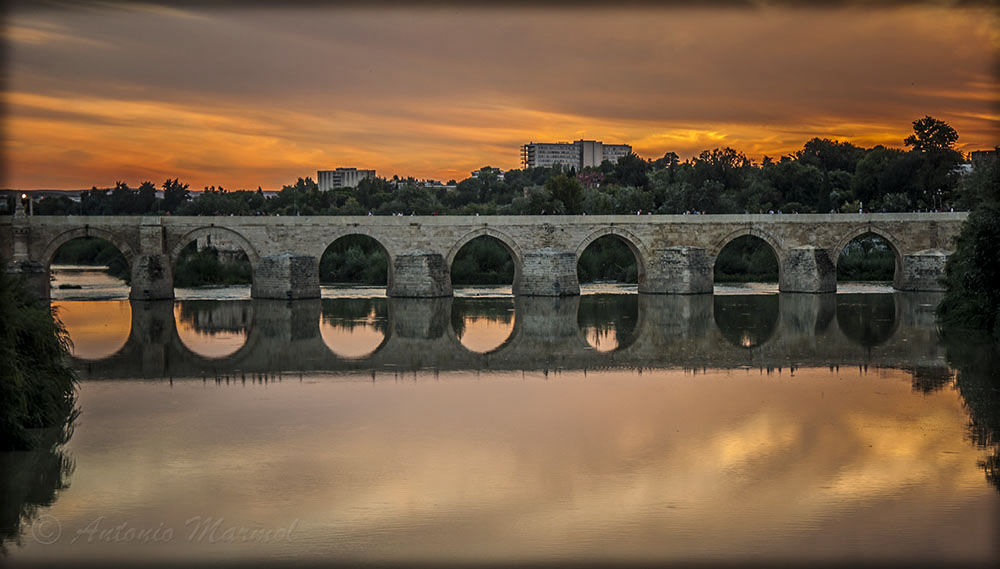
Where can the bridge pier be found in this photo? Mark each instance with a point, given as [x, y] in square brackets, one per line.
[419, 274]
[678, 270]
[807, 269]
[152, 278]
[548, 272]
[152, 274]
[286, 276]
[921, 271]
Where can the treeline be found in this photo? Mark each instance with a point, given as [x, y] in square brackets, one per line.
[824, 176]
[972, 275]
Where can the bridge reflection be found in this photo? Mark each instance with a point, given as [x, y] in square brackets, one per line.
[532, 333]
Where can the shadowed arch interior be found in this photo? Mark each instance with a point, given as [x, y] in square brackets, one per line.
[355, 259]
[610, 258]
[747, 258]
[484, 260]
[213, 256]
[93, 251]
[868, 257]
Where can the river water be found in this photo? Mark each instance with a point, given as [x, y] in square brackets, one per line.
[745, 426]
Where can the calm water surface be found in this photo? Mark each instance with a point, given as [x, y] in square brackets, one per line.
[611, 427]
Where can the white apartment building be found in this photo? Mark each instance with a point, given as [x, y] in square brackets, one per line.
[579, 154]
[341, 178]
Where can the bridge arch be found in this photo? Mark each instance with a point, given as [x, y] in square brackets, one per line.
[362, 232]
[58, 241]
[768, 238]
[231, 234]
[865, 229]
[636, 245]
[512, 247]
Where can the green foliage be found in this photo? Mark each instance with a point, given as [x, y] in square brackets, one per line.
[567, 191]
[972, 274]
[867, 258]
[356, 259]
[746, 259]
[931, 134]
[607, 259]
[207, 267]
[174, 194]
[37, 383]
[483, 260]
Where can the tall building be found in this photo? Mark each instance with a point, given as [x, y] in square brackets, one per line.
[341, 178]
[579, 154]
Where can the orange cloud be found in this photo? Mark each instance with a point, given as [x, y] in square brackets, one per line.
[248, 97]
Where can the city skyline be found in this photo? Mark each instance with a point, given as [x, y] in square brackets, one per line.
[248, 97]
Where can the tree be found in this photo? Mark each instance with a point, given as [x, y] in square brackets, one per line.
[174, 194]
[972, 274]
[631, 171]
[830, 155]
[931, 134]
[567, 190]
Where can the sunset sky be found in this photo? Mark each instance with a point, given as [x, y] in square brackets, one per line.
[253, 96]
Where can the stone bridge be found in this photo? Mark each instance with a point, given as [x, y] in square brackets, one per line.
[674, 253]
[671, 331]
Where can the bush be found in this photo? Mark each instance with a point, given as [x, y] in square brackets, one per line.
[37, 384]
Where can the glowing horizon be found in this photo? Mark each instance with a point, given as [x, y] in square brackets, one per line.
[248, 97]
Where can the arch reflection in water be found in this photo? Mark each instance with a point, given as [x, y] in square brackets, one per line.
[746, 321]
[97, 328]
[483, 324]
[354, 327]
[867, 319]
[608, 321]
[213, 328]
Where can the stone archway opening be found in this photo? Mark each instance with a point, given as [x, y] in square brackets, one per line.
[746, 259]
[483, 325]
[869, 257]
[483, 261]
[213, 259]
[354, 260]
[609, 259]
[89, 267]
[89, 278]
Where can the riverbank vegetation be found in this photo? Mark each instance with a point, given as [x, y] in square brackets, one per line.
[37, 383]
[207, 267]
[972, 275]
[354, 259]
